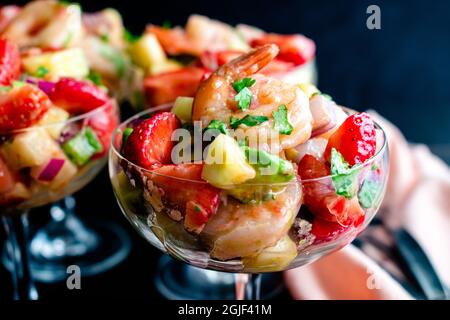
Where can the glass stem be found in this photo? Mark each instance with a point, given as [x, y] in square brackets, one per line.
[17, 229]
[248, 286]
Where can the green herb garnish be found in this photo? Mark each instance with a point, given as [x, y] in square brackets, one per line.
[129, 37]
[18, 84]
[244, 95]
[166, 24]
[345, 179]
[368, 193]
[248, 120]
[41, 72]
[95, 77]
[218, 125]
[281, 122]
[105, 38]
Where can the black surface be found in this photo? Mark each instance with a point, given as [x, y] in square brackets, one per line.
[402, 71]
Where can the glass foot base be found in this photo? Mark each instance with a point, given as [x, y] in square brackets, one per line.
[179, 281]
[103, 246]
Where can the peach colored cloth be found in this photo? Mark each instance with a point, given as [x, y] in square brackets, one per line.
[417, 199]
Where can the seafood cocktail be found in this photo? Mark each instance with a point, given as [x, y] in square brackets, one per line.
[252, 174]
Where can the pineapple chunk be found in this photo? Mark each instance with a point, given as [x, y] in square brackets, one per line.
[225, 164]
[182, 108]
[147, 52]
[308, 89]
[54, 121]
[166, 66]
[274, 258]
[62, 178]
[64, 63]
[29, 149]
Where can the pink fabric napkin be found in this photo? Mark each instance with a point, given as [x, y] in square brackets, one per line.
[417, 199]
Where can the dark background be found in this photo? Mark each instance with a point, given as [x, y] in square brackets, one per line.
[402, 71]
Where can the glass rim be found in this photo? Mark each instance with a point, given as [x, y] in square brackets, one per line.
[79, 117]
[163, 107]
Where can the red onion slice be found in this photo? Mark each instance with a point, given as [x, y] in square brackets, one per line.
[46, 86]
[52, 168]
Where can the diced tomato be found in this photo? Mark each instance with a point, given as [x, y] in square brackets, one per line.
[166, 87]
[10, 62]
[296, 48]
[277, 66]
[320, 197]
[212, 60]
[174, 41]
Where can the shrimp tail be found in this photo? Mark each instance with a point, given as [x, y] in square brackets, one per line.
[250, 63]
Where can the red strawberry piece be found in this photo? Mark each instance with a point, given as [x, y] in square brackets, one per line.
[355, 139]
[150, 142]
[320, 197]
[297, 48]
[103, 122]
[77, 96]
[326, 231]
[10, 63]
[166, 87]
[22, 107]
[184, 188]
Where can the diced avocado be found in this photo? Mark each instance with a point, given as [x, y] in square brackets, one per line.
[271, 174]
[64, 63]
[269, 168]
[147, 52]
[82, 146]
[225, 164]
[182, 108]
[274, 258]
[309, 89]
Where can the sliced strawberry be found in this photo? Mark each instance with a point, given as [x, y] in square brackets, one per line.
[150, 142]
[355, 139]
[6, 178]
[166, 87]
[297, 48]
[103, 122]
[10, 63]
[320, 197]
[22, 107]
[184, 188]
[326, 231]
[77, 96]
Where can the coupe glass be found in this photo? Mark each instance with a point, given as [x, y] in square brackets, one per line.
[149, 216]
[66, 241]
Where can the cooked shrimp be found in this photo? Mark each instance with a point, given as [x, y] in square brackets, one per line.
[215, 100]
[47, 24]
[242, 230]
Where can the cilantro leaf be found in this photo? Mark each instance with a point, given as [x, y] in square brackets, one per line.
[18, 84]
[281, 122]
[218, 125]
[368, 193]
[95, 77]
[129, 37]
[243, 83]
[41, 72]
[244, 96]
[345, 179]
[104, 37]
[248, 120]
[166, 24]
